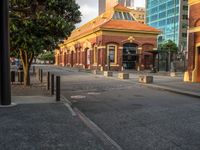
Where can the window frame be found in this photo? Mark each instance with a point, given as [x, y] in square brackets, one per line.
[115, 53]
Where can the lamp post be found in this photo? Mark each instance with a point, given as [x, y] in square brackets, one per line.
[5, 89]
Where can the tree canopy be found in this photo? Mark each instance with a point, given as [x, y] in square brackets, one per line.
[36, 25]
[46, 56]
[168, 46]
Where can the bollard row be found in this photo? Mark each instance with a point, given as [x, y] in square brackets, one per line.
[20, 75]
[51, 86]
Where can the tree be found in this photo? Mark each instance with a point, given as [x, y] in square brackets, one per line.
[36, 25]
[171, 48]
[168, 46]
[46, 56]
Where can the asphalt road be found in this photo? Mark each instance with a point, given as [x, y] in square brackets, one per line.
[136, 117]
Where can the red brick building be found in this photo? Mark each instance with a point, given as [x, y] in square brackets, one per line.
[193, 73]
[114, 36]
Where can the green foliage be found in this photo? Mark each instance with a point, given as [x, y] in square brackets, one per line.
[168, 46]
[47, 56]
[38, 25]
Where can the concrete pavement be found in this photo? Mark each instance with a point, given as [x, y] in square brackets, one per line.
[134, 116]
[38, 122]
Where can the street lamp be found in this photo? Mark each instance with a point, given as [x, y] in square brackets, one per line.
[5, 89]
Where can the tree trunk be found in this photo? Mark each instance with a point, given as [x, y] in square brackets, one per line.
[26, 75]
[26, 67]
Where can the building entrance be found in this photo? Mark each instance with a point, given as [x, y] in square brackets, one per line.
[130, 57]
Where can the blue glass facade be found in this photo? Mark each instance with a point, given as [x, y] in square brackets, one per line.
[169, 16]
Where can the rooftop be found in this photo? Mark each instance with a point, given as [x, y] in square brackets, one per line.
[118, 17]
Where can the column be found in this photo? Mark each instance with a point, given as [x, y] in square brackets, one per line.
[5, 89]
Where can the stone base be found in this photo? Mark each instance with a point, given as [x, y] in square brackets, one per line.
[186, 77]
[146, 79]
[172, 74]
[123, 76]
[108, 73]
[94, 72]
[8, 106]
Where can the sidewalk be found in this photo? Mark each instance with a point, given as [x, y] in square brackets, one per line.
[165, 82]
[39, 122]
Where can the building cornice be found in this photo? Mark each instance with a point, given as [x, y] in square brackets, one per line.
[193, 2]
[194, 29]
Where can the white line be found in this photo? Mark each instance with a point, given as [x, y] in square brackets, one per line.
[68, 104]
[97, 130]
[70, 109]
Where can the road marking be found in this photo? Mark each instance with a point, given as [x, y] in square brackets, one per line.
[70, 109]
[93, 93]
[68, 104]
[97, 130]
[78, 97]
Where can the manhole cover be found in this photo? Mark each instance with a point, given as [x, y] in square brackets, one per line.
[93, 93]
[78, 97]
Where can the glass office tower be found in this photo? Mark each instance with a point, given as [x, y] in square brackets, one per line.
[171, 17]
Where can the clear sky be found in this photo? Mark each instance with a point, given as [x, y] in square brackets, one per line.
[89, 9]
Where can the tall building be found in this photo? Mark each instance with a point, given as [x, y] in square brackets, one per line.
[139, 13]
[193, 73]
[107, 4]
[171, 17]
[102, 6]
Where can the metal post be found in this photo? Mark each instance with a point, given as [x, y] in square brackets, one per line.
[33, 70]
[52, 84]
[5, 88]
[41, 75]
[158, 61]
[57, 88]
[109, 63]
[169, 62]
[12, 73]
[167, 56]
[48, 81]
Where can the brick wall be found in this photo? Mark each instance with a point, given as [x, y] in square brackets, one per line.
[194, 21]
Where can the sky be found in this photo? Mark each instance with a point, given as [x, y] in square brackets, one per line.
[89, 9]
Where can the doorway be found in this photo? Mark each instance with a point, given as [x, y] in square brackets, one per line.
[72, 59]
[87, 58]
[130, 57]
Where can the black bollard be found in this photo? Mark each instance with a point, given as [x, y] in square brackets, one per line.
[33, 70]
[48, 81]
[52, 84]
[12, 73]
[41, 75]
[20, 76]
[57, 88]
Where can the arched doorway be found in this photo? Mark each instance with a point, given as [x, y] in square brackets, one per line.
[72, 58]
[87, 57]
[130, 57]
[65, 61]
